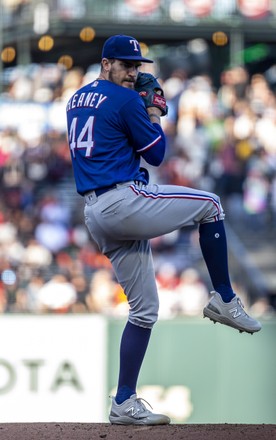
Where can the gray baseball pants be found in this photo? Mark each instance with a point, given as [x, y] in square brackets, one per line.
[121, 222]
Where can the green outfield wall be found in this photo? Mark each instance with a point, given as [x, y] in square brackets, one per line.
[199, 372]
[63, 368]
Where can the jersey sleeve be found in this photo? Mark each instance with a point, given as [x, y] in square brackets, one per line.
[147, 139]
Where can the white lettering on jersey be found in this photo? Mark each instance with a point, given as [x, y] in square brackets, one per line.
[85, 138]
[74, 99]
[80, 100]
[86, 100]
[102, 98]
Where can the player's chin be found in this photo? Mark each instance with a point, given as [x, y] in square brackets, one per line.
[128, 84]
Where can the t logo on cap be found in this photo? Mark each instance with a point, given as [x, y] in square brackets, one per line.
[123, 47]
[136, 45]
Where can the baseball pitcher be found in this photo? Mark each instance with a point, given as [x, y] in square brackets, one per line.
[113, 122]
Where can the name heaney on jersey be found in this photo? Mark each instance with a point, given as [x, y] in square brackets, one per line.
[89, 99]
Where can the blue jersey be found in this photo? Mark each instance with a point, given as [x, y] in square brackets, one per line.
[108, 132]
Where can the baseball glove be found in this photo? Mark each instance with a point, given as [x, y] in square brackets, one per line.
[151, 92]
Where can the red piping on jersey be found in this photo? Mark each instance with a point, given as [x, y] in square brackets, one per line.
[150, 145]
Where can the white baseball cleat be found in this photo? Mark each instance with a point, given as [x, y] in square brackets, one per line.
[231, 314]
[133, 412]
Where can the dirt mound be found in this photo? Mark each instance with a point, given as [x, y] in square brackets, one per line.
[94, 431]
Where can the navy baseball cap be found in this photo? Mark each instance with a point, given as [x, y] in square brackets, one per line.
[123, 47]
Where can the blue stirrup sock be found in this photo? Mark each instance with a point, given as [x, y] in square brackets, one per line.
[213, 243]
[133, 347]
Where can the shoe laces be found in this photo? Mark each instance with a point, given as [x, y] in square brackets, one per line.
[139, 404]
[240, 303]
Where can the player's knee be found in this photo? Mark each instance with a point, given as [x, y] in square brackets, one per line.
[214, 209]
[145, 318]
[143, 322]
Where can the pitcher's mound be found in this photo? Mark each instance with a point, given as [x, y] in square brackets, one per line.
[91, 431]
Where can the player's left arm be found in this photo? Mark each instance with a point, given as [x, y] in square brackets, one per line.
[155, 154]
[147, 138]
[155, 103]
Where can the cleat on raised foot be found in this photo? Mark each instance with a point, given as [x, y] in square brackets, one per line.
[231, 314]
[134, 412]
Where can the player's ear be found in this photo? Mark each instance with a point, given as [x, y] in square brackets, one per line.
[106, 64]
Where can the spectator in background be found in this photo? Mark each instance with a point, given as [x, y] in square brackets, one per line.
[192, 293]
[80, 284]
[52, 231]
[37, 255]
[105, 295]
[57, 295]
[33, 288]
[3, 299]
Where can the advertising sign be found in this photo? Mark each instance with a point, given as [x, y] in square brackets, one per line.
[52, 368]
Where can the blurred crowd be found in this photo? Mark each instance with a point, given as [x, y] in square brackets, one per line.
[219, 139]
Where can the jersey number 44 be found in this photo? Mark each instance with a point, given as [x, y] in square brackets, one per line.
[85, 138]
